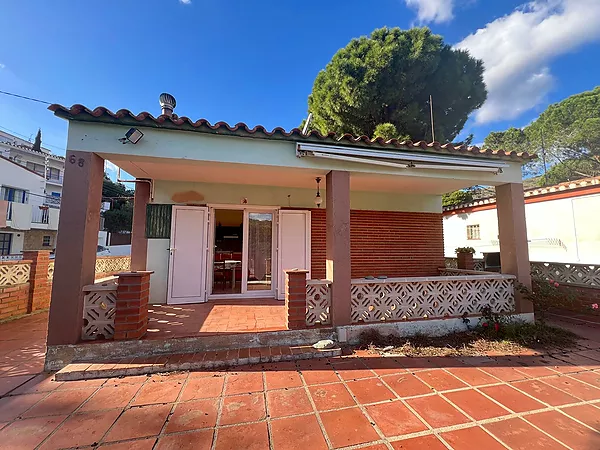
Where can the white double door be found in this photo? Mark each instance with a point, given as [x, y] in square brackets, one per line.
[192, 255]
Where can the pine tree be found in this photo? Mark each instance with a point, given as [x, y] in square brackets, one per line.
[37, 144]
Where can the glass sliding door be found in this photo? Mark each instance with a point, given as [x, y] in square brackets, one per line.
[228, 244]
[259, 251]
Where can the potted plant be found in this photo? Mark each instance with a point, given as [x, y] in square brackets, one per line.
[465, 257]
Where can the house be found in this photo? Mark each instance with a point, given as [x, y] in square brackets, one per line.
[44, 162]
[562, 223]
[27, 222]
[347, 230]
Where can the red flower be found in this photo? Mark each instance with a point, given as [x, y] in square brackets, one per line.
[484, 324]
[496, 326]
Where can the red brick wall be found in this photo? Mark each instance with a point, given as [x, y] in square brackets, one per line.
[396, 244]
[14, 301]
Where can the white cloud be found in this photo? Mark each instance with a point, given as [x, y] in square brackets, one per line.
[186, 2]
[2, 66]
[516, 50]
[437, 11]
[110, 167]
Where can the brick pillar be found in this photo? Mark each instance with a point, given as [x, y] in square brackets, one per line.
[76, 247]
[39, 286]
[139, 243]
[465, 261]
[295, 299]
[338, 268]
[131, 312]
[512, 229]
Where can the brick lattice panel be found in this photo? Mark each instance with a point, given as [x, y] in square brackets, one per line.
[318, 302]
[583, 274]
[112, 264]
[99, 312]
[404, 299]
[390, 243]
[13, 274]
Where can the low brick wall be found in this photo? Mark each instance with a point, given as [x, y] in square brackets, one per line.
[14, 301]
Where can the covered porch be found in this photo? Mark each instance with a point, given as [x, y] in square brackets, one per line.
[369, 253]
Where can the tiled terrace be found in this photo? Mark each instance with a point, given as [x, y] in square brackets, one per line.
[215, 317]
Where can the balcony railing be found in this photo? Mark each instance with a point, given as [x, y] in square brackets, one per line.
[55, 179]
[9, 211]
[39, 215]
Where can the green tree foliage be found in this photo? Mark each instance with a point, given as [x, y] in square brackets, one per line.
[567, 131]
[457, 198]
[388, 78]
[37, 143]
[569, 170]
[120, 215]
[388, 131]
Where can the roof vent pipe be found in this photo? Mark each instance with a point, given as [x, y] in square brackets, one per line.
[167, 104]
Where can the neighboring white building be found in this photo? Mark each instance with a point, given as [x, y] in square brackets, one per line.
[563, 224]
[27, 220]
[48, 165]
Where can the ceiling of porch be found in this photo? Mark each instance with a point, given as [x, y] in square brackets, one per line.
[229, 173]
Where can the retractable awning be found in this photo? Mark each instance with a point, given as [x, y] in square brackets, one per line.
[398, 159]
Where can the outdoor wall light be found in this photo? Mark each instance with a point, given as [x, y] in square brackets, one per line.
[318, 198]
[133, 136]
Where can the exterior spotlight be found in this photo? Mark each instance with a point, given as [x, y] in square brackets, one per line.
[132, 136]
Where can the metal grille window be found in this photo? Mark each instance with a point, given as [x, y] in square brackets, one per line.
[46, 240]
[5, 240]
[158, 221]
[473, 232]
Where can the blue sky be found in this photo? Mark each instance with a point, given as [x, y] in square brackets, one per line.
[255, 62]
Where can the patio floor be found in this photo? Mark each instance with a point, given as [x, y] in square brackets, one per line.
[358, 401]
[216, 317]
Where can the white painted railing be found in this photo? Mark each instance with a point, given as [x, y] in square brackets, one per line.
[576, 274]
[430, 297]
[318, 302]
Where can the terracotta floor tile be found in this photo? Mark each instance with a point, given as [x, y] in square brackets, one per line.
[59, 402]
[111, 397]
[158, 392]
[406, 385]
[243, 408]
[573, 387]
[476, 405]
[81, 384]
[545, 393]
[297, 433]
[348, 427]
[511, 398]
[470, 438]
[370, 390]
[12, 407]
[519, 435]
[197, 440]
[41, 383]
[288, 402]
[566, 430]
[283, 379]
[437, 411]
[353, 369]
[420, 443]
[536, 371]
[586, 414]
[385, 366]
[592, 378]
[473, 376]
[244, 383]
[440, 380]
[395, 419]
[319, 376]
[578, 360]
[142, 421]
[198, 388]
[419, 362]
[142, 444]
[137, 379]
[7, 384]
[507, 374]
[248, 437]
[375, 447]
[27, 434]
[331, 396]
[193, 415]
[82, 429]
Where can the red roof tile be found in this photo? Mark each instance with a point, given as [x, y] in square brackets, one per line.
[126, 117]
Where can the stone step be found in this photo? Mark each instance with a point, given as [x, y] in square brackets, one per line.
[190, 361]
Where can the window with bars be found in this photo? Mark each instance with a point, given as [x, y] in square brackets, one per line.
[473, 232]
[5, 241]
[158, 221]
[46, 241]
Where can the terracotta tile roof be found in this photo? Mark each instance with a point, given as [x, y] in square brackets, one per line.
[126, 117]
[575, 185]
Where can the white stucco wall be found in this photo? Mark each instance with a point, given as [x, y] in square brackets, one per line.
[15, 176]
[563, 230]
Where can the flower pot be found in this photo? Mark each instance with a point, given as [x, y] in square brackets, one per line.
[465, 261]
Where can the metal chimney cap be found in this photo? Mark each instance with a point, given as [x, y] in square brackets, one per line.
[167, 101]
